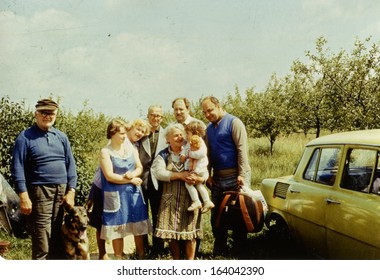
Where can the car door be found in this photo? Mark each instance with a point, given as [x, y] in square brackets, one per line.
[353, 210]
[307, 198]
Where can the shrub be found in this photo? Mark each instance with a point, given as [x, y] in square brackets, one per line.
[14, 118]
[85, 131]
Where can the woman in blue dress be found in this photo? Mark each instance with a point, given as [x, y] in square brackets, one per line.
[124, 210]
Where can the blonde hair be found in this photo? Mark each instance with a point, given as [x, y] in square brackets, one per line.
[195, 142]
[139, 122]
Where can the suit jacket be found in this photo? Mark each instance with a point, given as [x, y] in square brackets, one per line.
[146, 156]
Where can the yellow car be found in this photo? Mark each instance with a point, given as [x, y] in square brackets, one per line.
[331, 204]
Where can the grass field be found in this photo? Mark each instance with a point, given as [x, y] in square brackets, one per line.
[287, 151]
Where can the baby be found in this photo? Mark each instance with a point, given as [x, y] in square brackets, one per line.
[195, 159]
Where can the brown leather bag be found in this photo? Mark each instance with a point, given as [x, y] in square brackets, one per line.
[240, 207]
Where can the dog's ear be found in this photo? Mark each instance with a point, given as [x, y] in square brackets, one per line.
[89, 206]
[67, 206]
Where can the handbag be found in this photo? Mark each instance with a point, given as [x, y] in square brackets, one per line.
[238, 208]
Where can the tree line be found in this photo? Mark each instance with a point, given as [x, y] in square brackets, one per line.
[328, 91]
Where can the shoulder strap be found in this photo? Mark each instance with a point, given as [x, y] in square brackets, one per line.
[244, 211]
[221, 208]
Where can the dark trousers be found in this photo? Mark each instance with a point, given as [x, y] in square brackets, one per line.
[239, 232]
[45, 221]
[152, 198]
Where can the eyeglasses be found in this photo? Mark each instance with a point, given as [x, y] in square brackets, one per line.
[47, 113]
[155, 116]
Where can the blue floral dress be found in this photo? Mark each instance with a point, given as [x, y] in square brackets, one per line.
[124, 209]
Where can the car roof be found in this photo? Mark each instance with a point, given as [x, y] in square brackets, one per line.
[357, 137]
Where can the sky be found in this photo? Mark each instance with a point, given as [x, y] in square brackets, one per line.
[120, 56]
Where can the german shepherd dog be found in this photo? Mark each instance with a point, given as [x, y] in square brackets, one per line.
[74, 232]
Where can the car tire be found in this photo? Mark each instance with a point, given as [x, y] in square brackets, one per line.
[279, 234]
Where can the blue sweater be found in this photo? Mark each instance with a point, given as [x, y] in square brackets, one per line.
[42, 158]
[222, 149]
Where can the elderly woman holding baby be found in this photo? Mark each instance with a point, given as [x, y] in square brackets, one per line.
[175, 223]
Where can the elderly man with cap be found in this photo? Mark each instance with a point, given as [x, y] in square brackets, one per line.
[44, 173]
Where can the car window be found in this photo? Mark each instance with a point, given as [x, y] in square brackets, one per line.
[323, 166]
[359, 166]
[311, 167]
[376, 179]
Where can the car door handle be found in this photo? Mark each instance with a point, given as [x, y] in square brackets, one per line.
[331, 201]
[293, 191]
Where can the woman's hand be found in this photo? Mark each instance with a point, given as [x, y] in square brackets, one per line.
[188, 177]
[193, 179]
[136, 181]
[180, 176]
[128, 175]
[183, 158]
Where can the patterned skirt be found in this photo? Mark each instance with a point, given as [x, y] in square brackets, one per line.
[174, 220]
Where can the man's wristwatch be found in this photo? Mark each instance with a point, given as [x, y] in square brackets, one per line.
[71, 190]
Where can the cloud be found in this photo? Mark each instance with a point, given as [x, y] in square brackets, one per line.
[338, 9]
[48, 53]
[52, 20]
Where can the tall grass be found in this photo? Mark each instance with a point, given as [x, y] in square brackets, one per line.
[283, 161]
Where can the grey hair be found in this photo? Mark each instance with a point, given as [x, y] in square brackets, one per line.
[174, 126]
[151, 107]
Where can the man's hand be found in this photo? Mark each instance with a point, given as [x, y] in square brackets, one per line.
[240, 181]
[25, 203]
[209, 182]
[69, 198]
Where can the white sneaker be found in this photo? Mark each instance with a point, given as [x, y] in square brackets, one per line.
[207, 206]
[195, 205]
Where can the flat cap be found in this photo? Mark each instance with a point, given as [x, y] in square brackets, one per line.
[46, 104]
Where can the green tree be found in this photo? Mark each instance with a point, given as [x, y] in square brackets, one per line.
[235, 104]
[360, 86]
[342, 89]
[307, 107]
[14, 118]
[267, 112]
